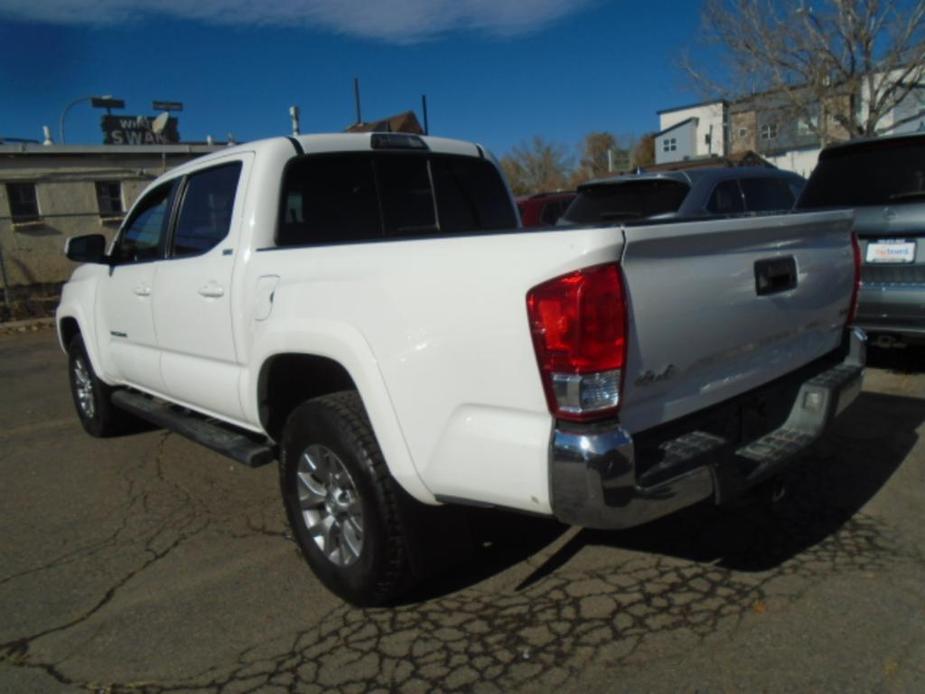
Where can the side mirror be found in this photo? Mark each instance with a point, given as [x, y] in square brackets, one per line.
[86, 249]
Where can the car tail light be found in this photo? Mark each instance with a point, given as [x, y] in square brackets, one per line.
[855, 293]
[578, 322]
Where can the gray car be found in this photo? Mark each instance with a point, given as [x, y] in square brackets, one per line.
[709, 191]
[884, 181]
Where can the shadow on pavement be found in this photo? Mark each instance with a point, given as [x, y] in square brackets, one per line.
[909, 359]
[826, 487]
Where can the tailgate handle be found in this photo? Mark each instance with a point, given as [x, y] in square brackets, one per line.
[775, 275]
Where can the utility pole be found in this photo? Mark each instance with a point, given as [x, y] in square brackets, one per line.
[294, 116]
[356, 96]
[424, 112]
[6, 284]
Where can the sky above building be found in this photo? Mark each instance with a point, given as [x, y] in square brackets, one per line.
[494, 71]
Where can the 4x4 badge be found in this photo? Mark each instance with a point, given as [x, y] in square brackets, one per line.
[650, 377]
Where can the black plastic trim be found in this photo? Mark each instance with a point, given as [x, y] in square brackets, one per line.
[221, 438]
[297, 145]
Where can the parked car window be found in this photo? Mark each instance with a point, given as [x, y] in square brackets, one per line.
[603, 202]
[363, 197]
[143, 233]
[766, 194]
[553, 210]
[884, 172]
[726, 198]
[205, 213]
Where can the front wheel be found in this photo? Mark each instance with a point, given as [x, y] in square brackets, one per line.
[341, 501]
[91, 396]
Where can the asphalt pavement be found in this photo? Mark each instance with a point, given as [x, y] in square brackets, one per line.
[147, 563]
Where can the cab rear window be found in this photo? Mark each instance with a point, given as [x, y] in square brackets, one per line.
[386, 195]
[625, 200]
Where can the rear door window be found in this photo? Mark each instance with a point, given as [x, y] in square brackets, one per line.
[626, 200]
[767, 194]
[205, 213]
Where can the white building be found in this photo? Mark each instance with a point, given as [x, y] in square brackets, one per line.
[764, 123]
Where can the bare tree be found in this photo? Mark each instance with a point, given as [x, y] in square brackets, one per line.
[537, 166]
[840, 66]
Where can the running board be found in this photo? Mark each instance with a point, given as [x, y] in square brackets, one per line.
[211, 434]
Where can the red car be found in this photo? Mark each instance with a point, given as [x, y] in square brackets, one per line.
[543, 209]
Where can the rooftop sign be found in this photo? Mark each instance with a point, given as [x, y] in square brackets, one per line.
[137, 130]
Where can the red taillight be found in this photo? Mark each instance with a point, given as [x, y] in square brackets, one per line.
[578, 322]
[853, 307]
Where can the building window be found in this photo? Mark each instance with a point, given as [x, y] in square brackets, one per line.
[807, 126]
[769, 131]
[670, 144]
[743, 133]
[109, 198]
[24, 206]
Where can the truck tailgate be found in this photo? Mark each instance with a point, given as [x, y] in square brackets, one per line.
[720, 307]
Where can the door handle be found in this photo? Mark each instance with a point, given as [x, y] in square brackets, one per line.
[142, 290]
[211, 290]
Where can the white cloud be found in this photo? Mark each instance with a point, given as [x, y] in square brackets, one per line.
[399, 21]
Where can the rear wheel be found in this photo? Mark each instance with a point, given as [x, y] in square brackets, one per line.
[341, 501]
[97, 414]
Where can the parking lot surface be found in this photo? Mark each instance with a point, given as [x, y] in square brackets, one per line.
[148, 563]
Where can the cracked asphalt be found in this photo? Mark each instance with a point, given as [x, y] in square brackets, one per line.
[148, 563]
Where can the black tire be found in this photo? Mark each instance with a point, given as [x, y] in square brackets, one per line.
[378, 571]
[91, 396]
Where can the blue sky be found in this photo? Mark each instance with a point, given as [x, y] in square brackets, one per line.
[494, 71]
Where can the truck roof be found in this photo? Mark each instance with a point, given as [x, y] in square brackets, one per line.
[350, 142]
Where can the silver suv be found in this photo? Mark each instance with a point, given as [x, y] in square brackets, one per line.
[884, 181]
[704, 192]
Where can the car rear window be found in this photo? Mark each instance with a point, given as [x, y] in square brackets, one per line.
[885, 172]
[366, 196]
[623, 200]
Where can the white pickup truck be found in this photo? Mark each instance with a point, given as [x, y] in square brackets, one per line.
[364, 309]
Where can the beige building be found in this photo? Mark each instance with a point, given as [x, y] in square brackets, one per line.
[48, 193]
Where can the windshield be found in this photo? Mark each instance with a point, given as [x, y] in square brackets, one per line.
[623, 200]
[885, 172]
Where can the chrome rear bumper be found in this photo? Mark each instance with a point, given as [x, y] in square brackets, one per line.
[595, 480]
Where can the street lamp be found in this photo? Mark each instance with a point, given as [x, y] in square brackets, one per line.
[107, 102]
